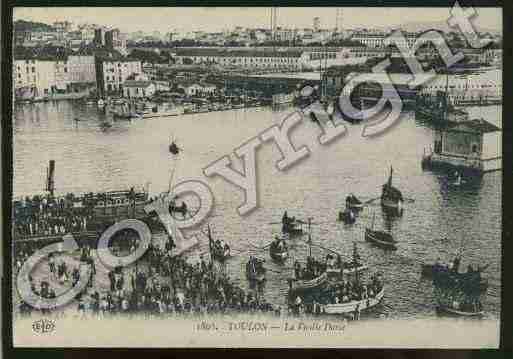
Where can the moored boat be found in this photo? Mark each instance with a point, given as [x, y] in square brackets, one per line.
[305, 285]
[354, 203]
[278, 250]
[291, 225]
[255, 271]
[317, 282]
[347, 216]
[444, 309]
[380, 238]
[93, 208]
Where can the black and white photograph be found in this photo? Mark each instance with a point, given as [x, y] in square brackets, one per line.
[264, 177]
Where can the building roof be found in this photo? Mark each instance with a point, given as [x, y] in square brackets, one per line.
[237, 53]
[136, 83]
[187, 84]
[476, 126]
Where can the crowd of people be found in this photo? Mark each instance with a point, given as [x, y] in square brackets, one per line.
[347, 291]
[48, 215]
[160, 283]
[335, 293]
[315, 268]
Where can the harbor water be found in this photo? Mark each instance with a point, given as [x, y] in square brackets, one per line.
[90, 158]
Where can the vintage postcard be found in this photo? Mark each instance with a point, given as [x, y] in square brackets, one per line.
[256, 177]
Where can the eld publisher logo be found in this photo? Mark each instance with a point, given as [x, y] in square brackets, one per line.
[43, 326]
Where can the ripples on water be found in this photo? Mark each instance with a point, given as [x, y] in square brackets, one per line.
[133, 153]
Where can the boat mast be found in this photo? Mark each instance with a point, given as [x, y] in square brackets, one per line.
[446, 104]
[309, 237]
[209, 242]
[50, 182]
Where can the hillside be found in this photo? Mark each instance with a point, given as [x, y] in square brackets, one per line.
[22, 25]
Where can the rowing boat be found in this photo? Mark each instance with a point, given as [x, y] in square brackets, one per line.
[303, 285]
[460, 313]
[380, 238]
[221, 255]
[352, 269]
[354, 305]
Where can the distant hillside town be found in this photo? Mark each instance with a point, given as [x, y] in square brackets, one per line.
[67, 60]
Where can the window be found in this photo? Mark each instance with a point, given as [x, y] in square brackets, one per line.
[65, 69]
[33, 69]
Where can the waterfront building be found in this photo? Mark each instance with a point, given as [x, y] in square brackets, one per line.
[46, 76]
[81, 69]
[290, 59]
[408, 39]
[62, 76]
[373, 40]
[317, 37]
[482, 88]
[198, 89]
[381, 39]
[34, 78]
[474, 144]
[138, 89]
[240, 58]
[112, 71]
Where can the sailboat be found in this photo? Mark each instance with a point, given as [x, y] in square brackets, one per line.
[328, 271]
[391, 197]
[380, 238]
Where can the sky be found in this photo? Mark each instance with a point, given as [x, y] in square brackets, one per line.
[166, 19]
